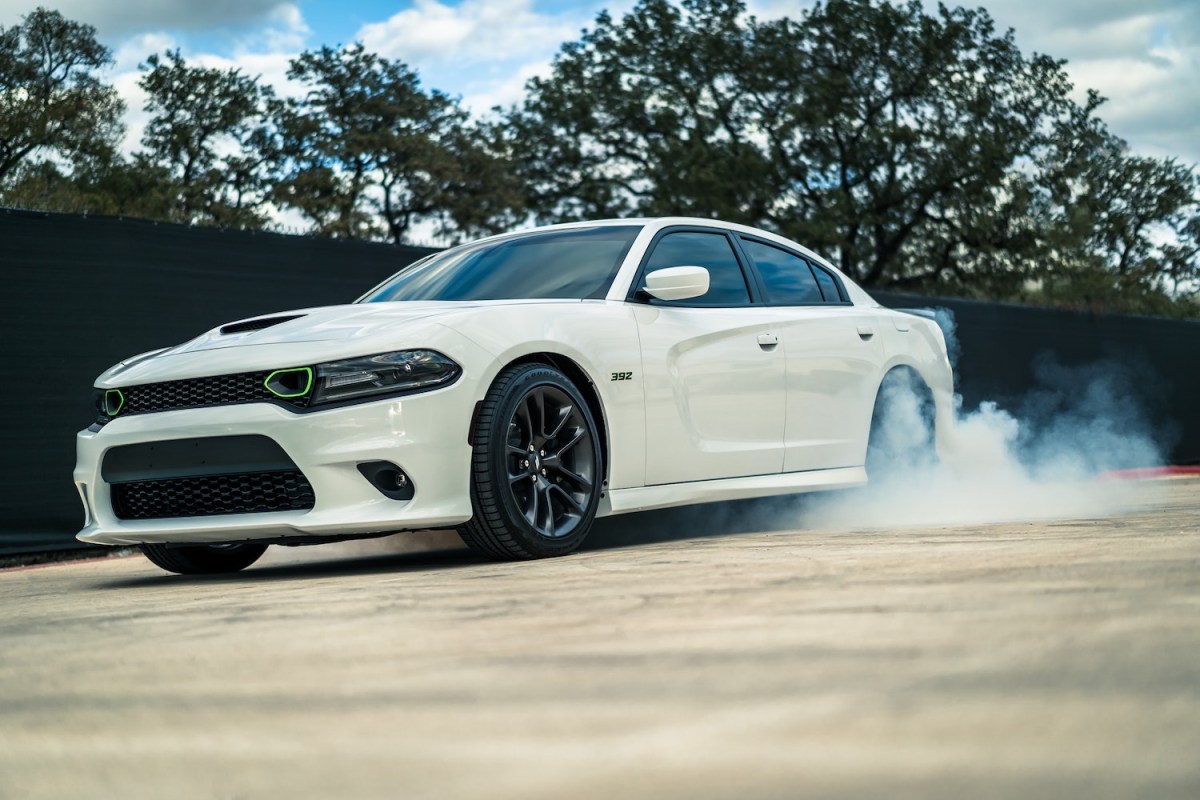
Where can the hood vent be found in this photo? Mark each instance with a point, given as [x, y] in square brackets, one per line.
[257, 324]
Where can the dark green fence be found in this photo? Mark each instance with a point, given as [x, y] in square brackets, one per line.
[80, 293]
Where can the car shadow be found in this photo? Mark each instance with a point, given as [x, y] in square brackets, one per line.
[726, 518]
[341, 566]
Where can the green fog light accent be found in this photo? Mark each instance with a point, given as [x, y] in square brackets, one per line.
[114, 401]
[284, 381]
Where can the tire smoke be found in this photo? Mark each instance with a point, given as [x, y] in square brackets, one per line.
[1045, 458]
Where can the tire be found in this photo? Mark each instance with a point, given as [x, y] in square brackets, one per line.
[204, 559]
[535, 470]
[901, 441]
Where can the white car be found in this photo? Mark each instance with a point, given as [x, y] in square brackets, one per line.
[516, 388]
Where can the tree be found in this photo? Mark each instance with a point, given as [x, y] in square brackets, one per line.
[646, 116]
[913, 148]
[208, 130]
[367, 152]
[485, 196]
[114, 187]
[52, 103]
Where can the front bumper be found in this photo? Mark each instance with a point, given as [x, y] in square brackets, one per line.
[424, 434]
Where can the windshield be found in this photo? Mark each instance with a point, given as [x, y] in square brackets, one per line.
[574, 264]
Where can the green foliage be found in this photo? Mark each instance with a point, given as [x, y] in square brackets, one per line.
[916, 149]
[208, 132]
[52, 103]
[367, 152]
[486, 195]
[646, 116]
[135, 188]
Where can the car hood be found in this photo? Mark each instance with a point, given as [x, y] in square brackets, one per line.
[302, 337]
[324, 324]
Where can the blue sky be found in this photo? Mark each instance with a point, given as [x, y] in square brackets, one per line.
[1144, 55]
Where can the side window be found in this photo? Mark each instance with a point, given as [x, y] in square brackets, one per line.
[727, 285]
[829, 285]
[787, 277]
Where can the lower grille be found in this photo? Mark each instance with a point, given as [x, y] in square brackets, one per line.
[242, 493]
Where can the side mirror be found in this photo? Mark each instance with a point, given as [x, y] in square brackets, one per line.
[677, 283]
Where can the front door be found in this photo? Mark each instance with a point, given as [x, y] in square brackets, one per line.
[713, 371]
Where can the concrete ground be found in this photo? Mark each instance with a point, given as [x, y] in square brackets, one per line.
[1053, 659]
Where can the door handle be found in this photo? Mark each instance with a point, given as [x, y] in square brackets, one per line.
[767, 341]
[865, 332]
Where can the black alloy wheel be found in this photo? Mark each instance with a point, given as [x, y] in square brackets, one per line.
[536, 472]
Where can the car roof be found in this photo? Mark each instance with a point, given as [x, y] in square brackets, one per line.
[655, 224]
[658, 223]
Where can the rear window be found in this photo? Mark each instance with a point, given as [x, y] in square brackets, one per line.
[830, 288]
[786, 276]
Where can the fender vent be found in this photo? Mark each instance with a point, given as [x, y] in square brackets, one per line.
[257, 324]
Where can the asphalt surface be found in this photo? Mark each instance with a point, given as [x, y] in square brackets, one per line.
[1051, 659]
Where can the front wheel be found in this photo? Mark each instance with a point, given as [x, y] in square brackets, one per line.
[535, 470]
[204, 559]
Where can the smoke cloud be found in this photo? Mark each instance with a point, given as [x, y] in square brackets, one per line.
[1043, 457]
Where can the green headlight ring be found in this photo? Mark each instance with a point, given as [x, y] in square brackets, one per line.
[109, 408]
[308, 381]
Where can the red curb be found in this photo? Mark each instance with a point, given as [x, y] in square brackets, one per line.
[1143, 473]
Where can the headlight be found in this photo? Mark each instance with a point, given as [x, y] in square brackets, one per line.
[387, 373]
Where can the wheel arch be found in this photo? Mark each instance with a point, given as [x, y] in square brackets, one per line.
[940, 396]
[902, 367]
[583, 381]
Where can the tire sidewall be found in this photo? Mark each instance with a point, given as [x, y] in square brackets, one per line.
[204, 559]
[515, 393]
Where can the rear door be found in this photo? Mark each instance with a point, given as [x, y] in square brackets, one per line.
[712, 367]
[834, 358]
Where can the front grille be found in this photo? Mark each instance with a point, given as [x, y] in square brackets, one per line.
[242, 493]
[217, 390]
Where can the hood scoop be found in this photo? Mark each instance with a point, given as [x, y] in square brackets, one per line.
[257, 324]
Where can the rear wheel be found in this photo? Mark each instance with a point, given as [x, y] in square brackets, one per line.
[535, 469]
[902, 427]
[204, 559]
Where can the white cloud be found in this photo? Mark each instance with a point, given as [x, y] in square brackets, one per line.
[1143, 56]
[428, 30]
[774, 9]
[286, 31]
[263, 53]
[266, 53]
[472, 32]
[1153, 103]
[136, 118]
[482, 96]
[133, 51]
[483, 51]
[480, 50]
